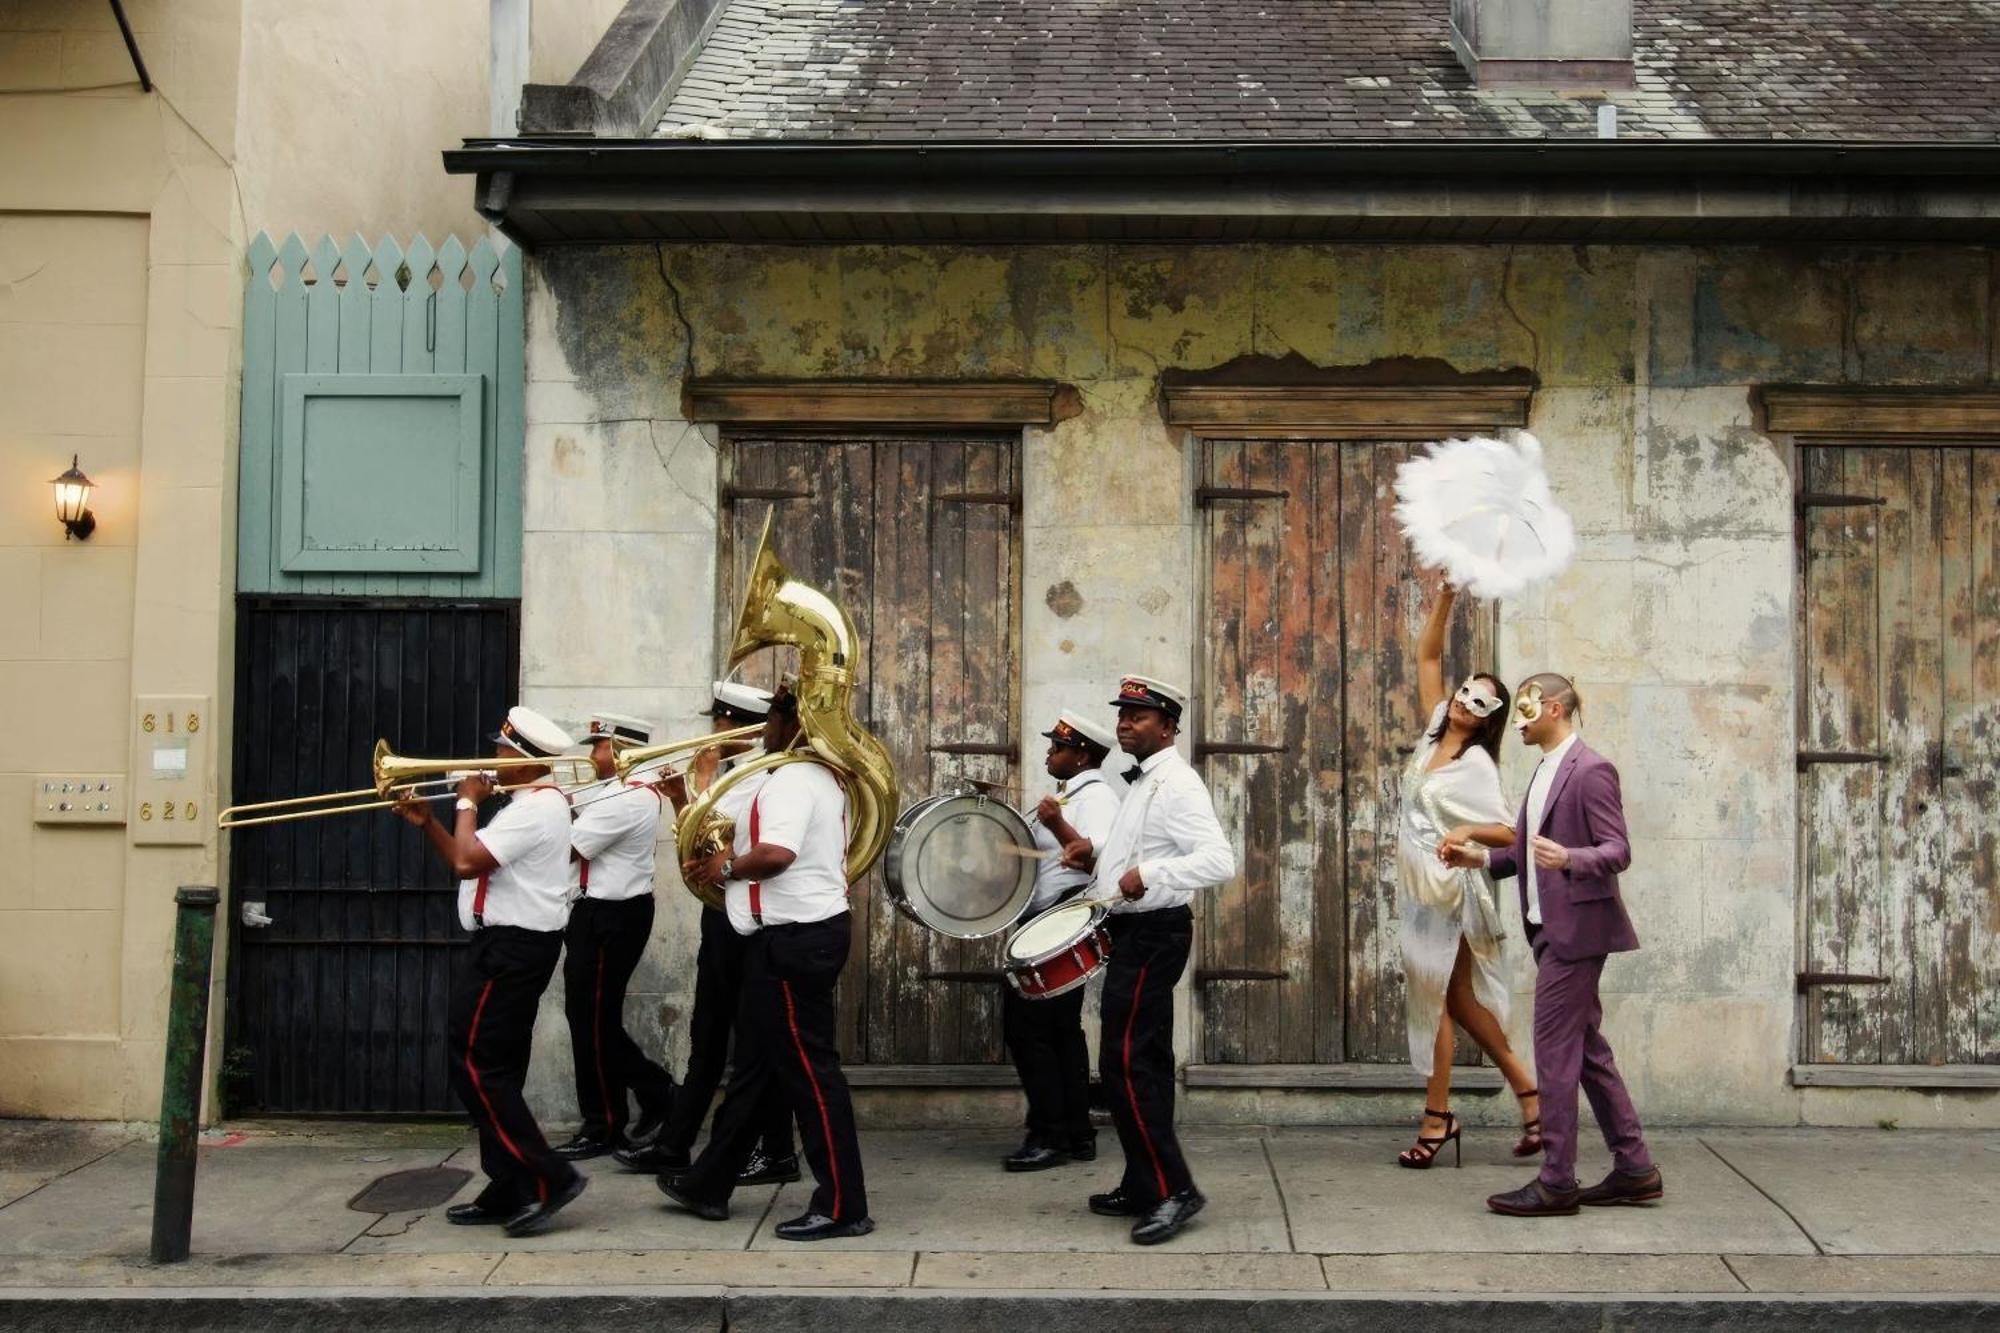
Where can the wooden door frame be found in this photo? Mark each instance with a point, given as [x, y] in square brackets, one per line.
[1328, 414]
[1801, 417]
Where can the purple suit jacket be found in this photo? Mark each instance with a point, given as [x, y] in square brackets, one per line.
[1582, 914]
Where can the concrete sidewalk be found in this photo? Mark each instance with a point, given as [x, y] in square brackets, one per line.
[1315, 1220]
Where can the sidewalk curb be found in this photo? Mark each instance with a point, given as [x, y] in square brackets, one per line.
[710, 1309]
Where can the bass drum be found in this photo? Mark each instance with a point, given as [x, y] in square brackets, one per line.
[962, 865]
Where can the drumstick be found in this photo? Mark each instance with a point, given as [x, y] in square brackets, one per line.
[1026, 853]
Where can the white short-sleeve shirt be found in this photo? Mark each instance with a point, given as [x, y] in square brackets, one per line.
[530, 889]
[802, 808]
[616, 832]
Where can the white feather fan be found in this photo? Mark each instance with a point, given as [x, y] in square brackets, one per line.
[1481, 511]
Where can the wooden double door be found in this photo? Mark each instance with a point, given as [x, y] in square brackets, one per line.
[918, 539]
[1308, 714]
[1899, 763]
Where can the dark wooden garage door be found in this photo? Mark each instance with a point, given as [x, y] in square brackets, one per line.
[1308, 683]
[338, 1006]
[917, 538]
[1899, 733]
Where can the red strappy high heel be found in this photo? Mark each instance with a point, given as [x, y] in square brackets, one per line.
[1530, 1141]
[1420, 1157]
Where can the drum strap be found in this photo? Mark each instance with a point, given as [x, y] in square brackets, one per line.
[756, 887]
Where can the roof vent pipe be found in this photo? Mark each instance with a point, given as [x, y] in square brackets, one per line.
[1544, 43]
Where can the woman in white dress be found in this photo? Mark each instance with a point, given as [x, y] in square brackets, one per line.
[1452, 936]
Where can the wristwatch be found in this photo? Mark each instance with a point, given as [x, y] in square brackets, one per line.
[729, 868]
[466, 803]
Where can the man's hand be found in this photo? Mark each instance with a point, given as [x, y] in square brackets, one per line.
[673, 786]
[704, 869]
[414, 809]
[1550, 855]
[1078, 855]
[1048, 810]
[476, 787]
[1462, 855]
[701, 770]
[1131, 885]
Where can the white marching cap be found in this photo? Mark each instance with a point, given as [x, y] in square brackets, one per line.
[1148, 692]
[618, 728]
[532, 734]
[1070, 726]
[740, 698]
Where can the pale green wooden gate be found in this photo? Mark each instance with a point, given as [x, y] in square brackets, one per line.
[382, 420]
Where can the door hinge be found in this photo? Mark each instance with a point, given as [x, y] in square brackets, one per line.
[1005, 749]
[1012, 499]
[1808, 980]
[1830, 500]
[1203, 749]
[1208, 495]
[1205, 975]
[731, 493]
[1807, 758]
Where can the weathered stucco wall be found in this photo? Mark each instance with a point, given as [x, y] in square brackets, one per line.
[1676, 619]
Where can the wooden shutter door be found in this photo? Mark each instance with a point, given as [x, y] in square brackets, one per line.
[916, 538]
[1308, 685]
[1899, 705]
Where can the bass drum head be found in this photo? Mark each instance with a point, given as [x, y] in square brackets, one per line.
[955, 865]
[1051, 931]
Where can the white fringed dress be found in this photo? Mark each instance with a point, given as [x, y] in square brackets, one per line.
[1438, 905]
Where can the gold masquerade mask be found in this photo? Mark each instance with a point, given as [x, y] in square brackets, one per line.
[1530, 702]
[1477, 697]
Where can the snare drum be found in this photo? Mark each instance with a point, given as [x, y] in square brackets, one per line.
[1058, 950]
[962, 865]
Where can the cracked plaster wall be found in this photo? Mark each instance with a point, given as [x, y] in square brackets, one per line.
[1676, 618]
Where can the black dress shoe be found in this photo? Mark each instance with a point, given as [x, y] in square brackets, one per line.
[646, 1129]
[1168, 1218]
[651, 1158]
[1033, 1157]
[1083, 1150]
[818, 1226]
[762, 1170]
[707, 1210]
[1120, 1204]
[477, 1214]
[1620, 1188]
[1535, 1199]
[585, 1146]
[537, 1216]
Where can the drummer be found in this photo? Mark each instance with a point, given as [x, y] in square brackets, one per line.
[1164, 847]
[1045, 1036]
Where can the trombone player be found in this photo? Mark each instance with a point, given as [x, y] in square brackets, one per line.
[513, 895]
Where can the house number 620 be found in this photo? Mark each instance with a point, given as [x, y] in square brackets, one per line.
[168, 810]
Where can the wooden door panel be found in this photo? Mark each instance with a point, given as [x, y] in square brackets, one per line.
[931, 585]
[1897, 658]
[1307, 642]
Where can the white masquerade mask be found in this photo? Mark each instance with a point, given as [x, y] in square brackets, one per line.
[1477, 697]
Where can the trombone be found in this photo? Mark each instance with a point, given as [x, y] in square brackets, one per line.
[398, 775]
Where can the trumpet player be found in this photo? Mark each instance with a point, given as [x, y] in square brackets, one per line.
[513, 895]
[612, 846]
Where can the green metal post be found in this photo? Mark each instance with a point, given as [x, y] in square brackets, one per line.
[180, 1095]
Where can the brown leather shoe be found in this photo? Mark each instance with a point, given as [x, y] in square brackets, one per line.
[1618, 1187]
[1535, 1199]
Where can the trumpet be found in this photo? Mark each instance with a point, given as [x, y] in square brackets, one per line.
[397, 776]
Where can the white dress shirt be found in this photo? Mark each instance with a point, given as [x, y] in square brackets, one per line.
[802, 808]
[1538, 800]
[616, 832]
[530, 889]
[1090, 806]
[1167, 827]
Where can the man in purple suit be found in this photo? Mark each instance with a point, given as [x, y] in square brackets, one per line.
[1569, 845]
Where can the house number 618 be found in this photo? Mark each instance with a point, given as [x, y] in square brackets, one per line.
[150, 722]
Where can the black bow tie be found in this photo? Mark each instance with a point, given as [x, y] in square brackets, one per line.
[1133, 773]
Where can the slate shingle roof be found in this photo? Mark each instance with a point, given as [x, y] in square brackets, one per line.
[1920, 70]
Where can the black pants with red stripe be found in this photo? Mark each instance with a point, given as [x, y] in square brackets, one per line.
[601, 949]
[1052, 1056]
[718, 984]
[492, 1029]
[785, 1041]
[1135, 1057]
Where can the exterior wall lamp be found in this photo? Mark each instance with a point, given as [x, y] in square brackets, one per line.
[73, 503]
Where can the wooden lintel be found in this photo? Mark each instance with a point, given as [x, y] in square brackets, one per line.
[1340, 1078]
[1896, 1076]
[891, 403]
[931, 1076]
[1346, 412]
[1879, 415]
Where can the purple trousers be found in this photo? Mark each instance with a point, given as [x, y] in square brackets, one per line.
[1570, 1049]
